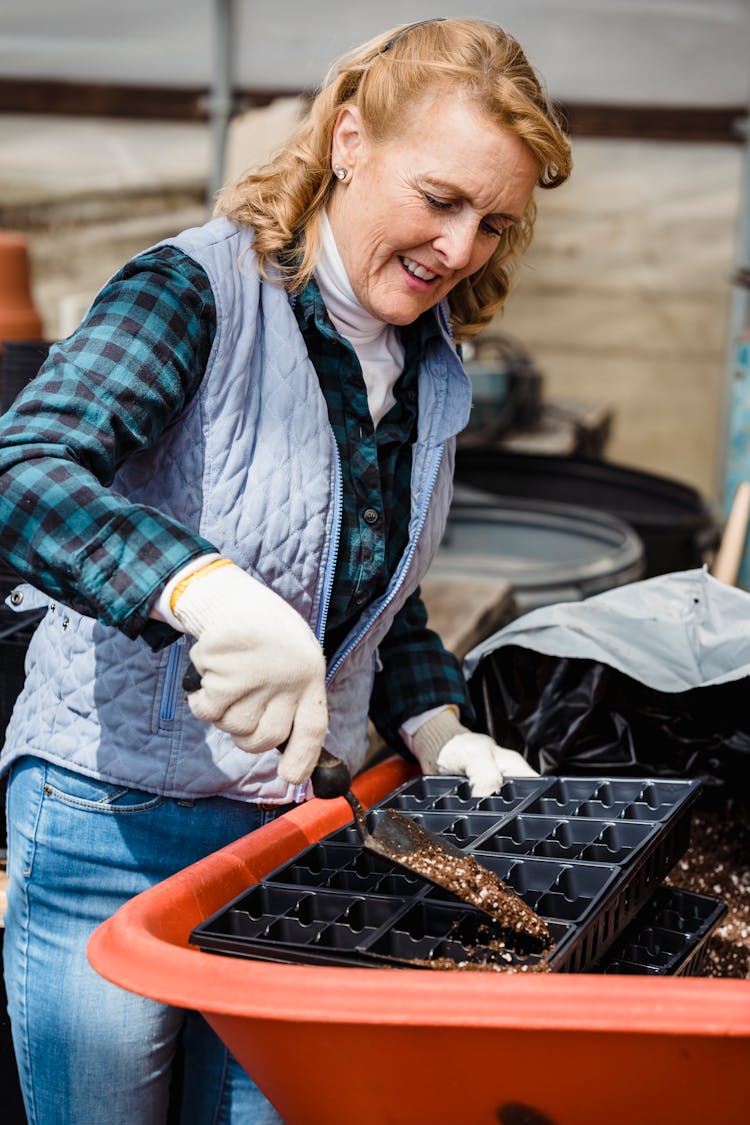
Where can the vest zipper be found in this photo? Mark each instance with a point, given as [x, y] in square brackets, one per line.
[171, 681]
[330, 571]
[302, 792]
[434, 468]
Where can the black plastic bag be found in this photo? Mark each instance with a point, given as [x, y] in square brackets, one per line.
[577, 716]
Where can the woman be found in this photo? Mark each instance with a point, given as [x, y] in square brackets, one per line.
[249, 441]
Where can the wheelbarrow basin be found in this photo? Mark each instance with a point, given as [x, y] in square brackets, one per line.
[450, 1048]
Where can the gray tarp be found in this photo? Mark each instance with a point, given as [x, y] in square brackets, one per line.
[673, 632]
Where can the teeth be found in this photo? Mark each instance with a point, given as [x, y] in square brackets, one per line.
[418, 271]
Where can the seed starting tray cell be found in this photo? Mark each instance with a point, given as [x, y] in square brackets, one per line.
[585, 853]
[453, 795]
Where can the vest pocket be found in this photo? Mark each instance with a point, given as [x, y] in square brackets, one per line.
[170, 686]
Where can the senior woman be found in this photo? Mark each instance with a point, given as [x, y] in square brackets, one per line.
[249, 443]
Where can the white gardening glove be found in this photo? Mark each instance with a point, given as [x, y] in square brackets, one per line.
[262, 669]
[443, 745]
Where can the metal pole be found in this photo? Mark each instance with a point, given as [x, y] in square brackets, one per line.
[734, 463]
[222, 88]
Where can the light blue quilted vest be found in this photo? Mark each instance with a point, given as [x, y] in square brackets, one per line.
[252, 465]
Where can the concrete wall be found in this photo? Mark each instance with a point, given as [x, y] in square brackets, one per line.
[625, 295]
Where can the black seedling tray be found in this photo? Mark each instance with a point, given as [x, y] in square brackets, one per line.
[586, 854]
[295, 925]
[668, 937]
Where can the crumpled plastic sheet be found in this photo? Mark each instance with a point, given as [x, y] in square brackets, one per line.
[649, 679]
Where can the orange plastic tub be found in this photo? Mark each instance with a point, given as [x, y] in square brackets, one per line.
[339, 1046]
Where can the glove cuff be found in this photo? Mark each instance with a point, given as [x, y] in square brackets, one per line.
[193, 576]
[429, 739]
[206, 592]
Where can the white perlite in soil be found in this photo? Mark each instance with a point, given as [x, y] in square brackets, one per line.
[718, 863]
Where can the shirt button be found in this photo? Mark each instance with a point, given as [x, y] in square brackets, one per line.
[360, 599]
[371, 516]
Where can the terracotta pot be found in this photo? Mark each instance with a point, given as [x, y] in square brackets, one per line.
[19, 319]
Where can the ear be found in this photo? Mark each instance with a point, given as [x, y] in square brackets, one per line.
[348, 137]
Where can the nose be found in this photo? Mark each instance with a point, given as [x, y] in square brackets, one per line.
[456, 241]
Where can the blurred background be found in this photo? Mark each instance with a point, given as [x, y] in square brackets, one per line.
[617, 379]
[117, 123]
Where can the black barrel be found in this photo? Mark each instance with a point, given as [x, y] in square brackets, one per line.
[675, 523]
[545, 552]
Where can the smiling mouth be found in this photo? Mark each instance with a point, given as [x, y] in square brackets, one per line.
[416, 270]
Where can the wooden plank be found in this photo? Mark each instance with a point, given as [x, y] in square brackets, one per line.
[465, 610]
[719, 124]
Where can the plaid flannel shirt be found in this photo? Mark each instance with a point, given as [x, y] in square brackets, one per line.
[113, 387]
[417, 672]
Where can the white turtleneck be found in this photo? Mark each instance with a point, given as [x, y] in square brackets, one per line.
[377, 345]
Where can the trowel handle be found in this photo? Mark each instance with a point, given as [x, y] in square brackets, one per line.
[331, 777]
[191, 681]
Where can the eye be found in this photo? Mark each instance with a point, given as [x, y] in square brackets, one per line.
[491, 229]
[438, 204]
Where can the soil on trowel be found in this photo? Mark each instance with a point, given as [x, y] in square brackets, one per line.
[464, 877]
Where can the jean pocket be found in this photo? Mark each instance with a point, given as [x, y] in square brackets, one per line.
[89, 793]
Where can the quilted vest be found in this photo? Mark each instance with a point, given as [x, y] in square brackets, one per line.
[252, 466]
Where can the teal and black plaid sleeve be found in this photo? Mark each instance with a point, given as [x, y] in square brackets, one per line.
[418, 674]
[104, 394]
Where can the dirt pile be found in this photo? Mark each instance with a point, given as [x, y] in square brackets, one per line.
[718, 863]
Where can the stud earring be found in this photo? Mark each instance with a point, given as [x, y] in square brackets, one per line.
[341, 173]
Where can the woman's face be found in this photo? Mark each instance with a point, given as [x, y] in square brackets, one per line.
[420, 212]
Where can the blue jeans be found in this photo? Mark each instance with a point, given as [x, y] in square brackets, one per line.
[89, 1052]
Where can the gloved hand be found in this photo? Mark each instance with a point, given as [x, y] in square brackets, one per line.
[443, 745]
[262, 669]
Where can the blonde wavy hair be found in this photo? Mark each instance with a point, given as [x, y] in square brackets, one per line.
[385, 78]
